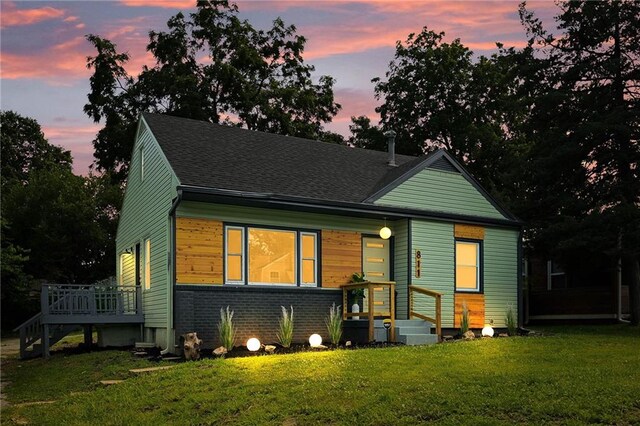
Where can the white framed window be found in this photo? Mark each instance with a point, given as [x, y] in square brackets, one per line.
[468, 266]
[234, 249]
[308, 259]
[269, 256]
[147, 264]
[556, 277]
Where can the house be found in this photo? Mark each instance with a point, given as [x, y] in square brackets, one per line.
[589, 289]
[217, 216]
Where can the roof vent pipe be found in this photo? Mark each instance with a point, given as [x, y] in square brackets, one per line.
[391, 146]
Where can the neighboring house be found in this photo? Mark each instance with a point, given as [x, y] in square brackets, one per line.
[216, 216]
[584, 291]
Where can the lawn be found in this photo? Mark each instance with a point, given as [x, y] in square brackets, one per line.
[576, 375]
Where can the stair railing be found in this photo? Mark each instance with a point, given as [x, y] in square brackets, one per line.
[413, 292]
[30, 332]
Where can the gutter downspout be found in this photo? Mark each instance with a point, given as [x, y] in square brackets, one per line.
[619, 280]
[172, 257]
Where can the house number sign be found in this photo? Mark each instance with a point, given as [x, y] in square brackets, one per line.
[418, 263]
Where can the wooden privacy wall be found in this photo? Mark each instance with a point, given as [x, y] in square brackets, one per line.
[469, 231]
[198, 251]
[341, 257]
[475, 305]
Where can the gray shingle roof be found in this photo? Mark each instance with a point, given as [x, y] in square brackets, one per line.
[222, 157]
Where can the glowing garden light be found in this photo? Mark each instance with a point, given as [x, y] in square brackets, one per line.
[315, 340]
[253, 344]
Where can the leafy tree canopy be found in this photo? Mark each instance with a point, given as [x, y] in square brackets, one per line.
[209, 66]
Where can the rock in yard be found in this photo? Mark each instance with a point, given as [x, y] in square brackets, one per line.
[503, 335]
[348, 343]
[220, 351]
[468, 335]
[110, 382]
[447, 338]
[319, 347]
[269, 349]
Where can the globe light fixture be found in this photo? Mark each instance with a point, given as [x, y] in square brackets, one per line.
[315, 340]
[385, 233]
[253, 344]
[487, 331]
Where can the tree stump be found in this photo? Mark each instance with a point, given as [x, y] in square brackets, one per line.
[191, 346]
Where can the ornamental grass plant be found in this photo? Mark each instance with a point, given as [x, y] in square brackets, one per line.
[227, 329]
[334, 324]
[285, 335]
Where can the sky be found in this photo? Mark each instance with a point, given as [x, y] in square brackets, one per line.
[43, 50]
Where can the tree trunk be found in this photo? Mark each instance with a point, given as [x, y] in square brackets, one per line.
[634, 290]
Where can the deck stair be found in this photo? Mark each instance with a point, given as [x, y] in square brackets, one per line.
[69, 307]
[410, 332]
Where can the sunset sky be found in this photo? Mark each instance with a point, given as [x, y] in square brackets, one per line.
[43, 49]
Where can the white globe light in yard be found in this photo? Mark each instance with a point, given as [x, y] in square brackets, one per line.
[487, 331]
[315, 340]
[253, 344]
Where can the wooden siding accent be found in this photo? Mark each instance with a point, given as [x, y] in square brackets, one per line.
[475, 306]
[468, 231]
[436, 190]
[198, 251]
[341, 256]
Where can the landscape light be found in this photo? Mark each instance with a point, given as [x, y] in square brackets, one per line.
[253, 344]
[315, 340]
[487, 331]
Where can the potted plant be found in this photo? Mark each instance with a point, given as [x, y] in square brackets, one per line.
[357, 294]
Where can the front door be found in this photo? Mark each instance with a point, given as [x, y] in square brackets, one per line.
[375, 259]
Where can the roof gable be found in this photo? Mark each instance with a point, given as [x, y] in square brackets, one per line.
[224, 157]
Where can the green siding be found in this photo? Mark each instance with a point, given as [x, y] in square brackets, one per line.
[500, 267]
[440, 191]
[436, 243]
[500, 273]
[272, 217]
[400, 272]
[144, 215]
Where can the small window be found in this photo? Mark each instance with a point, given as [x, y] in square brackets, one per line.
[235, 255]
[467, 266]
[308, 258]
[147, 264]
[556, 277]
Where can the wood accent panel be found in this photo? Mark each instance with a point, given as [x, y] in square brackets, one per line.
[469, 231]
[341, 257]
[475, 305]
[198, 251]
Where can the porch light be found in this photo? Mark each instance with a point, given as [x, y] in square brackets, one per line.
[315, 340]
[253, 344]
[487, 331]
[385, 232]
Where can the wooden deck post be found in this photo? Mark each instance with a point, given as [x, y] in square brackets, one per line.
[88, 335]
[370, 313]
[439, 317]
[45, 341]
[392, 290]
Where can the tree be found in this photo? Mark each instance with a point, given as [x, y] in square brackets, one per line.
[24, 148]
[251, 78]
[592, 106]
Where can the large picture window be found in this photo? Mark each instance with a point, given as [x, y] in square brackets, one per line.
[468, 266]
[270, 256]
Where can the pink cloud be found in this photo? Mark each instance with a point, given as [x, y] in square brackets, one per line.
[168, 4]
[76, 138]
[12, 16]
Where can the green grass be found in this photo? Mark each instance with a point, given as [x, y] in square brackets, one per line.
[572, 376]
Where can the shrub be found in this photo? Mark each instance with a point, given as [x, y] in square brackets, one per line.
[285, 336]
[510, 320]
[226, 329]
[464, 319]
[334, 324]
